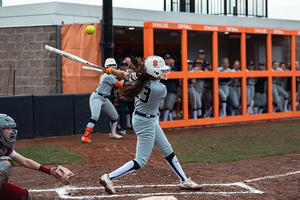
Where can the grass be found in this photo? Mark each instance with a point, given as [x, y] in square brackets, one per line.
[49, 154]
[237, 144]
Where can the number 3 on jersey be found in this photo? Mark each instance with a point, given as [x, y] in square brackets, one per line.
[146, 94]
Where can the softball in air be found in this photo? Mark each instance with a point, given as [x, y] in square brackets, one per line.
[90, 29]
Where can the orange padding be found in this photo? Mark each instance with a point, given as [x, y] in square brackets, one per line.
[76, 41]
[119, 85]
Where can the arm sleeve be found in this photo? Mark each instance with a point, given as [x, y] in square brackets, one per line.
[10, 152]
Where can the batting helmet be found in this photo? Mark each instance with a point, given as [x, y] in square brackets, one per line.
[6, 137]
[109, 62]
[156, 67]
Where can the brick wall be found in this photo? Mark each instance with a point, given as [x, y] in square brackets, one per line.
[35, 68]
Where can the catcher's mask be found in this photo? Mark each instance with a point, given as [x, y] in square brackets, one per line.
[8, 136]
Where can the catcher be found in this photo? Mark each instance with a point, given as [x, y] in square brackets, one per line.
[8, 137]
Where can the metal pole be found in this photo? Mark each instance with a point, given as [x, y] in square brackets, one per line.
[225, 7]
[165, 5]
[14, 82]
[107, 26]
[266, 8]
[207, 7]
[192, 6]
[59, 62]
[246, 8]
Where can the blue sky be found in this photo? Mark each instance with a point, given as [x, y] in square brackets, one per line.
[277, 9]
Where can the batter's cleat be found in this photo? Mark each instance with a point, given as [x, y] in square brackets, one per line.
[123, 132]
[285, 110]
[223, 114]
[107, 183]
[85, 139]
[115, 136]
[188, 184]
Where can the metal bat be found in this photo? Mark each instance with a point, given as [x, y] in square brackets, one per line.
[91, 69]
[70, 56]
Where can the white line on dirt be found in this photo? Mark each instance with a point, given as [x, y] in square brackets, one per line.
[63, 192]
[257, 179]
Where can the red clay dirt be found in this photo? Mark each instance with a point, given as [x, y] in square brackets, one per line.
[104, 155]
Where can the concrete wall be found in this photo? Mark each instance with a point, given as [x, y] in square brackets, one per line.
[35, 68]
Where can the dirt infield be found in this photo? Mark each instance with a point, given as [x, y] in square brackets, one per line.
[246, 179]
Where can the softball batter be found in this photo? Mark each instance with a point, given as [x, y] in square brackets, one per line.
[148, 92]
[99, 100]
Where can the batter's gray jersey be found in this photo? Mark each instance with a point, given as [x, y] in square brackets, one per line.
[106, 84]
[147, 102]
[147, 129]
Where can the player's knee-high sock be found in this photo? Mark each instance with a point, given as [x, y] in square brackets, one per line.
[261, 109]
[255, 109]
[286, 101]
[297, 103]
[175, 165]
[199, 112]
[128, 118]
[248, 110]
[170, 116]
[113, 126]
[129, 167]
[195, 114]
[166, 115]
[224, 107]
[232, 112]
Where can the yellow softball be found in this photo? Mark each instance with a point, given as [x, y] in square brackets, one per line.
[90, 29]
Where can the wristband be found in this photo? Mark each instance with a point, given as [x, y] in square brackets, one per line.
[44, 169]
[119, 84]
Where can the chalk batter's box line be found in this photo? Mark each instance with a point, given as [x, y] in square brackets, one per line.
[63, 191]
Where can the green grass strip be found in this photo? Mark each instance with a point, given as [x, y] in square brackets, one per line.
[49, 155]
[237, 144]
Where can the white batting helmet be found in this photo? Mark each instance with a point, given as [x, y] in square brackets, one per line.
[156, 67]
[109, 62]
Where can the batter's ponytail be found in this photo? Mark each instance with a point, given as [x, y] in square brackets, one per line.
[129, 92]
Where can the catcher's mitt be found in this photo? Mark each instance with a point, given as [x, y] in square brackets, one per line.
[61, 173]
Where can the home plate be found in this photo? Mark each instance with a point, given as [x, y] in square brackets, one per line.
[159, 198]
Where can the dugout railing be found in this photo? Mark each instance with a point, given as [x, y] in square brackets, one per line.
[214, 74]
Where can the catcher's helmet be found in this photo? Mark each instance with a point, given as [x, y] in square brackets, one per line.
[110, 61]
[8, 139]
[156, 67]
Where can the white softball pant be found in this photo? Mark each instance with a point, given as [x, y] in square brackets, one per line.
[97, 103]
[149, 134]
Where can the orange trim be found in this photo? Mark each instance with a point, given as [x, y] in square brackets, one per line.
[243, 74]
[119, 85]
[184, 48]
[215, 66]
[293, 68]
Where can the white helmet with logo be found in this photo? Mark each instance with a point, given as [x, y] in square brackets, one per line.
[156, 67]
[109, 62]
